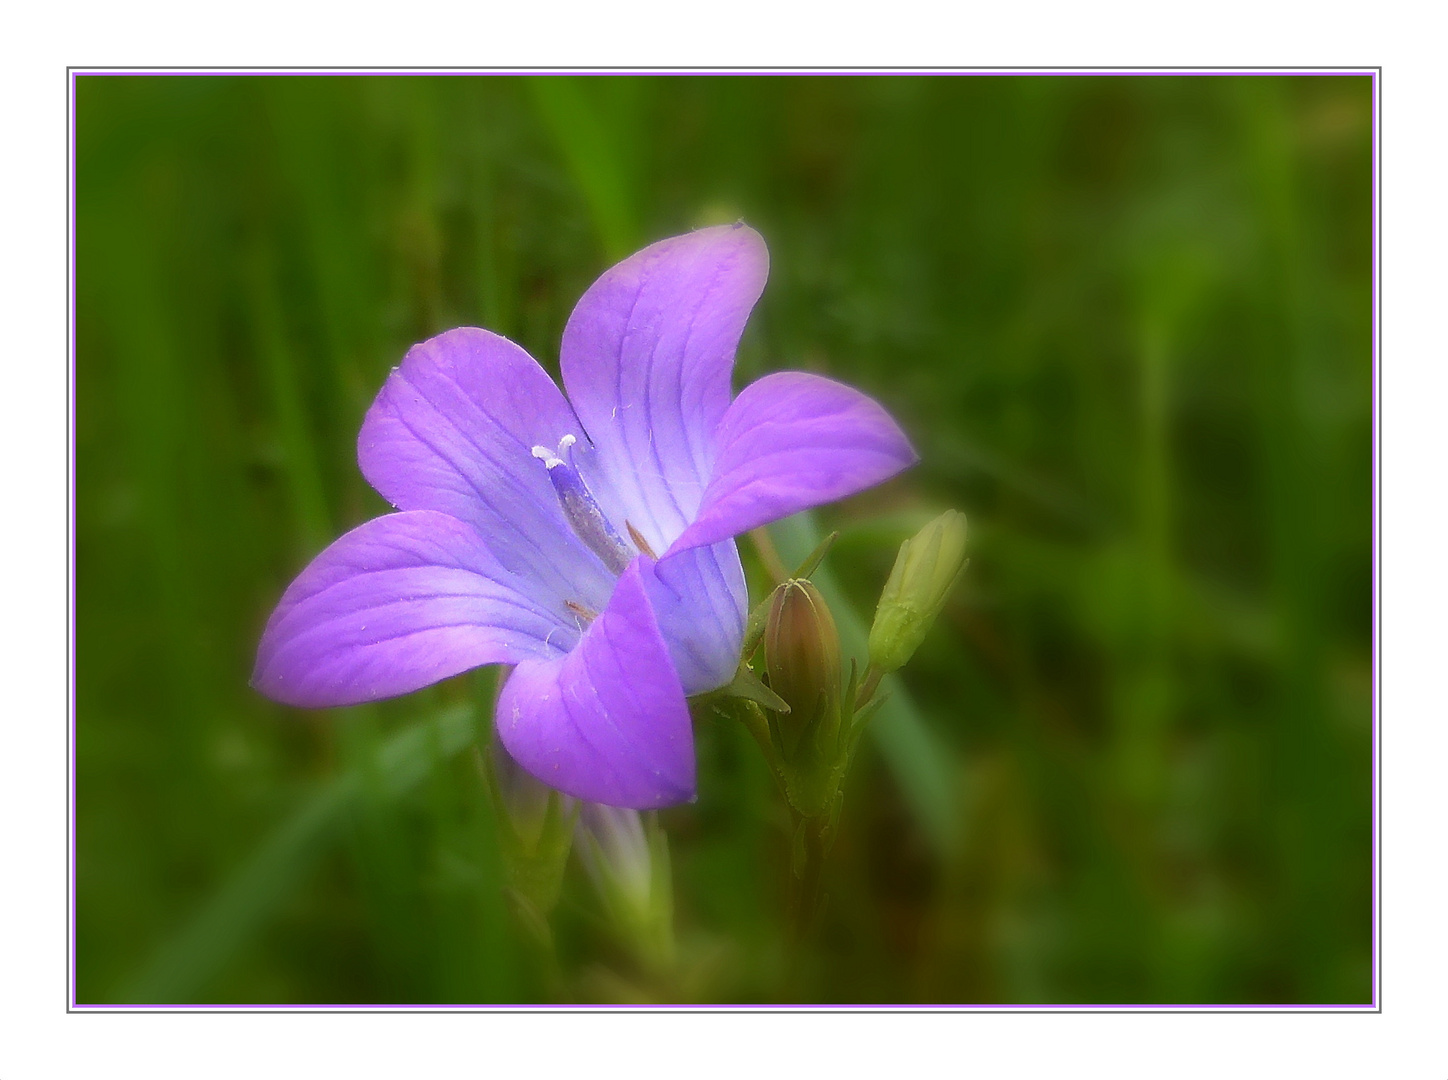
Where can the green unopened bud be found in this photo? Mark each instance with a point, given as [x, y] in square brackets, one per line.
[627, 857]
[927, 568]
[802, 656]
[535, 834]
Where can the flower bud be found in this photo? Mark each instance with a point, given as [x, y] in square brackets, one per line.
[927, 568]
[615, 852]
[535, 834]
[802, 656]
[628, 863]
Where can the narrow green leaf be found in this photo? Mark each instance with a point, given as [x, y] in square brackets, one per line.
[570, 110]
[182, 966]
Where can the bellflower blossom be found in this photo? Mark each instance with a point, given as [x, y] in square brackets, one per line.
[587, 540]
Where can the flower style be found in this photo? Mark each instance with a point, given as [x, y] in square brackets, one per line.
[590, 544]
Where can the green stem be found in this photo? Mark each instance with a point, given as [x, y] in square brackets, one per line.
[873, 675]
[805, 896]
[768, 554]
[805, 886]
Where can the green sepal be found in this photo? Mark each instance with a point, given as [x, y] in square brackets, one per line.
[809, 768]
[814, 558]
[754, 628]
[750, 687]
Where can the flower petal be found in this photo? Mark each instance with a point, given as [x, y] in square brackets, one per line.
[647, 356]
[453, 430]
[791, 441]
[608, 722]
[702, 604]
[397, 604]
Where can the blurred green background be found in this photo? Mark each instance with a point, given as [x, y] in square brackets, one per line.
[1127, 322]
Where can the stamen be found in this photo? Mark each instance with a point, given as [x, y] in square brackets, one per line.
[587, 614]
[640, 542]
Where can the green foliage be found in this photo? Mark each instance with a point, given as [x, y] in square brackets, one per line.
[1127, 323]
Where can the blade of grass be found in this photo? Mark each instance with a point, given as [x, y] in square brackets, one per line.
[304, 480]
[181, 967]
[590, 146]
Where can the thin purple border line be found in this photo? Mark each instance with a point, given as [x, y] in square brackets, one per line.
[1374, 73]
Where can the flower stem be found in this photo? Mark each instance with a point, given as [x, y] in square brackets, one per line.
[812, 842]
[873, 675]
[768, 554]
[804, 892]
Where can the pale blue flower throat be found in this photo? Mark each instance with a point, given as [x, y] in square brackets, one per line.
[580, 507]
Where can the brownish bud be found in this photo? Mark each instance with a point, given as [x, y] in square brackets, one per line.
[802, 656]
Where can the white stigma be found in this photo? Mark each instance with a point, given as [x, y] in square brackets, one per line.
[549, 458]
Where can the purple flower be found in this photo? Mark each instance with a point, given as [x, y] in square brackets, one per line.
[586, 540]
